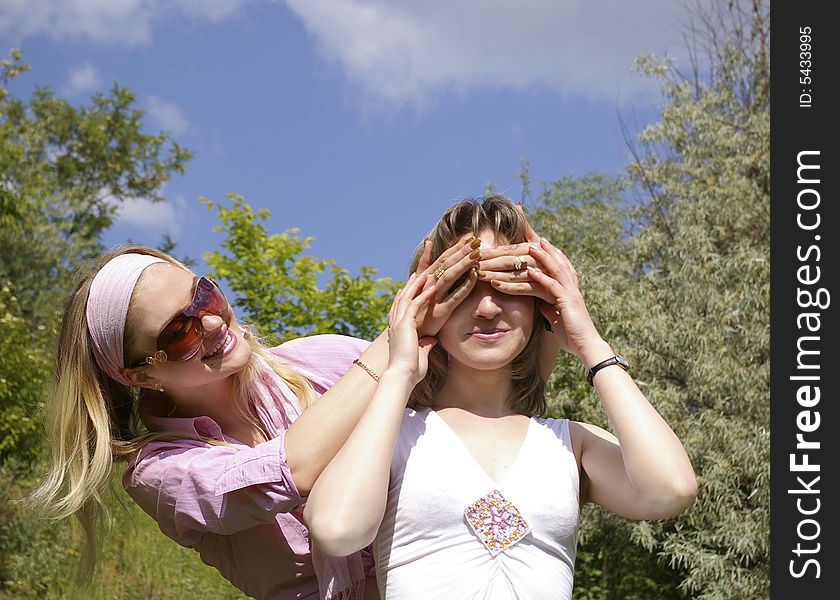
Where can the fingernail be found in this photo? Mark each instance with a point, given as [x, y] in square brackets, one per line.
[475, 243]
[533, 246]
[482, 273]
[495, 283]
[475, 254]
[469, 240]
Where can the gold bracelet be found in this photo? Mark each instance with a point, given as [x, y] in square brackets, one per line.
[370, 371]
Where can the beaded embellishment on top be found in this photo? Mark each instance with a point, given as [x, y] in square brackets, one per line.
[496, 522]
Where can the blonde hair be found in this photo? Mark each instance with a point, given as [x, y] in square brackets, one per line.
[500, 215]
[93, 420]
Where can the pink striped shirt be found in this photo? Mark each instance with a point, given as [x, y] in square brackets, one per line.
[238, 506]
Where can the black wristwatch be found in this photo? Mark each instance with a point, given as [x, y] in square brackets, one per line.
[615, 360]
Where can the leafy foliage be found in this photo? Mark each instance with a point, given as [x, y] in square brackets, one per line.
[22, 380]
[38, 559]
[63, 173]
[282, 291]
[703, 265]
[679, 280]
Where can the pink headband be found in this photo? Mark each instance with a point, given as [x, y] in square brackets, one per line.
[107, 307]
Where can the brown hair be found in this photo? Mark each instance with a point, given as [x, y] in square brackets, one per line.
[498, 214]
[92, 419]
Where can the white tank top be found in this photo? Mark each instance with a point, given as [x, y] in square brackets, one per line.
[427, 550]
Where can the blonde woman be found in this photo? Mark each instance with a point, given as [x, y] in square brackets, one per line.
[468, 493]
[224, 437]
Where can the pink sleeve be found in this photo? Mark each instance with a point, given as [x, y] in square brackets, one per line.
[191, 488]
[322, 359]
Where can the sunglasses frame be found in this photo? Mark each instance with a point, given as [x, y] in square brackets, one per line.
[194, 314]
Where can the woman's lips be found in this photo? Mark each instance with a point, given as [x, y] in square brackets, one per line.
[489, 335]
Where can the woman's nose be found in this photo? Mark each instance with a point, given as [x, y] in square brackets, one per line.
[211, 323]
[487, 306]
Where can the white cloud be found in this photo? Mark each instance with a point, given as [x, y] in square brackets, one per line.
[82, 80]
[405, 52]
[124, 22]
[166, 115]
[157, 218]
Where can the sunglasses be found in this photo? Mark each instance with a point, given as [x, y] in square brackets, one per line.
[181, 339]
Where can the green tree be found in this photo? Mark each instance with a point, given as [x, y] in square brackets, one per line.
[678, 280]
[64, 171]
[23, 371]
[286, 293]
[701, 338]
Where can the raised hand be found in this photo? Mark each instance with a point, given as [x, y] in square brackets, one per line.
[509, 264]
[454, 275]
[409, 351]
[567, 312]
[551, 277]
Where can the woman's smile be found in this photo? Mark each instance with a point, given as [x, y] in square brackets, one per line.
[223, 345]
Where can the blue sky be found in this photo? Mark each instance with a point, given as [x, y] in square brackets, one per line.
[357, 121]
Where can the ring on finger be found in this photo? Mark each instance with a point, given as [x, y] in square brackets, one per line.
[439, 272]
[519, 263]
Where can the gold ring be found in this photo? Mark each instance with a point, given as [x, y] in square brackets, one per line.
[519, 263]
[439, 272]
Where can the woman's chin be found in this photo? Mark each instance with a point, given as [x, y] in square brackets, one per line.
[478, 354]
[485, 361]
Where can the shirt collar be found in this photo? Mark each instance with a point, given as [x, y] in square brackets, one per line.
[155, 419]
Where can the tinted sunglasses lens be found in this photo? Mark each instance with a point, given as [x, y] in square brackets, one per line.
[181, 338]
[210, 298]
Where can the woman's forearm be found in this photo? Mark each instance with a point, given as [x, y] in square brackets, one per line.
[346, 504]
[656, 464]
[320, 431]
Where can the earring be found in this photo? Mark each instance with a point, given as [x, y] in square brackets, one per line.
[158, 387]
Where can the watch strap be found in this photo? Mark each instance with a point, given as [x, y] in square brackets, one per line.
[613, 360]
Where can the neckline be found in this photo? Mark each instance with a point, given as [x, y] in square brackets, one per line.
[466, 451]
